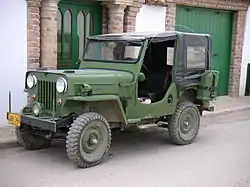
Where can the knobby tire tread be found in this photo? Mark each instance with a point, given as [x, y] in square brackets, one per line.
[174, 123]
[74, 134]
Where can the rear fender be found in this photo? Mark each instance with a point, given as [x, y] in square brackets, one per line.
[109, 106]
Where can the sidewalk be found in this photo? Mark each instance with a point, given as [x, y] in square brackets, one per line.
[7, 137]
[226, 105]
[223, 107]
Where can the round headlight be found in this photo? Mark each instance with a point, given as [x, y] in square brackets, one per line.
[36, 108]
[61, 85]
[31, 81]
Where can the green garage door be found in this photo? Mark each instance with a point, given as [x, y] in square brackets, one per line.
[219, 25]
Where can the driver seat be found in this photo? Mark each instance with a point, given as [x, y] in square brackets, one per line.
[158, 84]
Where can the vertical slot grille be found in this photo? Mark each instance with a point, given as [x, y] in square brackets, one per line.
[47, 94]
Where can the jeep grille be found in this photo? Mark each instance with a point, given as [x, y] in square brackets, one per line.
[47, 94]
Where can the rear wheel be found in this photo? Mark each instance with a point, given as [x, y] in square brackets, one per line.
[88, 140]
[184, 124]
[27, 138]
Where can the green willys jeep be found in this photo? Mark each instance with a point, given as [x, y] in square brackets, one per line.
[123, 81]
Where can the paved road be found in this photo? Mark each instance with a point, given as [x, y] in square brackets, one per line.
[219, 158]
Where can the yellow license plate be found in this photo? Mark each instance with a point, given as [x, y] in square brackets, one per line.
[14, 119]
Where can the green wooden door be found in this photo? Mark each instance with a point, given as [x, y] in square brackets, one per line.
[76, 21]
[219, 25]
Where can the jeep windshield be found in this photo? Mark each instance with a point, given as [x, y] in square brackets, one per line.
[117, 51]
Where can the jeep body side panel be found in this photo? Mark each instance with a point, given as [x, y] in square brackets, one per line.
[109, 106]
[154, 110]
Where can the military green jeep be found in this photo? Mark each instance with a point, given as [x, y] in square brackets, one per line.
[124, 81]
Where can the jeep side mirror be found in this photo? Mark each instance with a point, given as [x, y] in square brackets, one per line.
[141, 77]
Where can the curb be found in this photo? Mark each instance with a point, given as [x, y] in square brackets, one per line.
[224, 112]
[226, 116]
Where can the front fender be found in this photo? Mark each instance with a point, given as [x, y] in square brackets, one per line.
[109, 106]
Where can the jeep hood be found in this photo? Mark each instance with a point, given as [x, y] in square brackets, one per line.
[96, 76]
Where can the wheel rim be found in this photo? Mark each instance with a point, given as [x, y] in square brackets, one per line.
[188, 124]
[94, 141]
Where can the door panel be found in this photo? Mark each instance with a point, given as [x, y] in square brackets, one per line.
[76, 21]
[219, 25]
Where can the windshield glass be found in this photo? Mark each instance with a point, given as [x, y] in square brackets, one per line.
[113, 51]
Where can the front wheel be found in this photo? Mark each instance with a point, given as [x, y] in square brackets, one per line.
[88, 140]
[184, 124]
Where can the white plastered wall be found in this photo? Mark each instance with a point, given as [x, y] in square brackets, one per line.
[151, 18]
[245, 55]
[13, 52]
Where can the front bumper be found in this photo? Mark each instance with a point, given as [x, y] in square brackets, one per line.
[43, 123]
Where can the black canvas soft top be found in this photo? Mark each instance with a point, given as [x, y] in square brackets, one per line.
[140, 36]
[183, 76]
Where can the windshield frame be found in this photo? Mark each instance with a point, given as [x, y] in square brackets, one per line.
[114, 61]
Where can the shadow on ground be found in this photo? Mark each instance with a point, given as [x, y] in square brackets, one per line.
[123, 144]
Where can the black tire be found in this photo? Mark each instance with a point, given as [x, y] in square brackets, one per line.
[80, 145]
[26, 138]
[184, 124]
